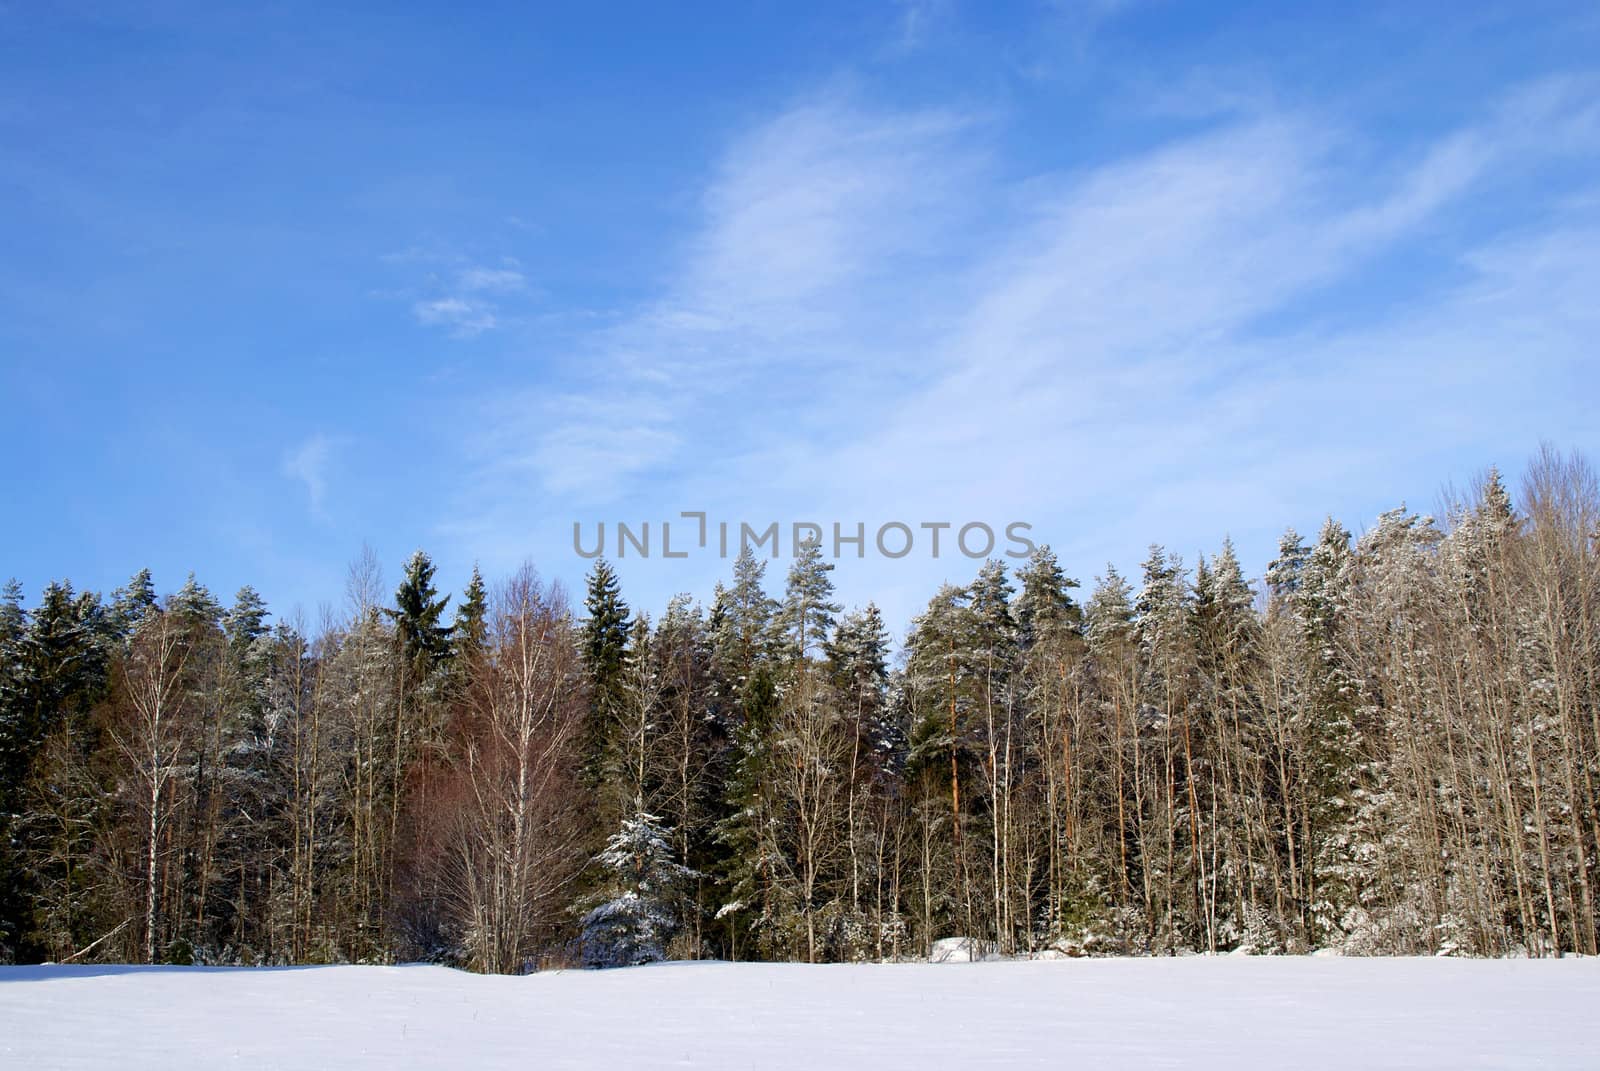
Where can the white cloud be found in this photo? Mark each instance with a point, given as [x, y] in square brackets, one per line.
[308, 463]
[805, 219]
[870, 324]
[463, 316]
[918, 19]
[463, 297]
[492, 280]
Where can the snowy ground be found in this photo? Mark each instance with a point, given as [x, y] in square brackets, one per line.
[1231, 1013]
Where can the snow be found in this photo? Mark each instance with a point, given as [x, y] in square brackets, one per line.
[1224, 1012]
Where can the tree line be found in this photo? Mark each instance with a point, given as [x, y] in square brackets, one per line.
[1390, 745]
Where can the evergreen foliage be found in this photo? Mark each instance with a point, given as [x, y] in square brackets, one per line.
[643, 881]
[1388, 747]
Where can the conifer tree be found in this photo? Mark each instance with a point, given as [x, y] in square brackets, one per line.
[131, 602]
[641, 886]
[422, 646]
[193, 605]
[1284, 573]
[944, 682]
[1224, 620]
[1109, 617]
[245, 622]
[743, 621]
[745, 700]
[62, 665]
[1045, 602]
[1115, 667]
[471, 627]
[604, 644]
[1333, 747]
[418, 616]
[13, 737]
[59, 674]
[13, 757]
[694, 754]
[808, 611]
[858, 666]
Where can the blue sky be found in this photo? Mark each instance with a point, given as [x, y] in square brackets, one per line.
[274, 283]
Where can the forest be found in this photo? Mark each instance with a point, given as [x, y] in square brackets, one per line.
[1388, 745]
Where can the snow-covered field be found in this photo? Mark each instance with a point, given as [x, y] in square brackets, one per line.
[1233, 1013]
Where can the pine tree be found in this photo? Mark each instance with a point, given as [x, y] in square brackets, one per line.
[1045, 602]
[1115, 669]
[1000, 733]
[944, 679]
[808, 610]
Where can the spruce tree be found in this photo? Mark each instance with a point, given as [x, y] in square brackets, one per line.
[858, 666]
[746, 682]
[1225, 622]
[245, 621]
[1284, 572]
[130, 603]
[63, 665]
[418, 615]
[471, 627]
[1161, 614]
[1333, 743]
[742, 627]
[60, 674]
[244, 626]
[13, 629]
[749, 860]
[641, 886]
[1108, 621]
[996, 636]
[13, 754]
[604, 643]
[194, 605]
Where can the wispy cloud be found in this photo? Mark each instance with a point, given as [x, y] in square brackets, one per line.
[807, 220]
[461, 296]
[918, 19]
[848, 335]
[308, 464]
[492, 280]
[465, 317]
